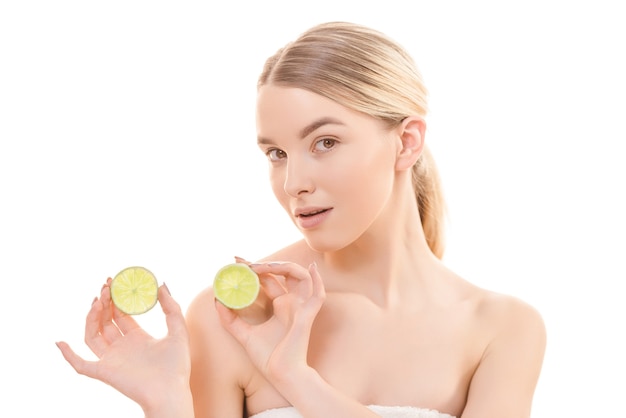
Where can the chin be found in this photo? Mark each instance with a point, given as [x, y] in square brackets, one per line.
[321, 245]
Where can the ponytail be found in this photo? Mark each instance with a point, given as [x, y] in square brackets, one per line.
[430, 202]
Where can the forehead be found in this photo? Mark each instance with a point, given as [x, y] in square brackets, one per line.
[287, 110]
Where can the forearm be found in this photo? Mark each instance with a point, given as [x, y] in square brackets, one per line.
[177, 403]
[313, 397]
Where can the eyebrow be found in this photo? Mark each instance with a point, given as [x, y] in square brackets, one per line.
[311, 127]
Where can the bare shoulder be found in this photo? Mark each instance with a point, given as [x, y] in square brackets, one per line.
[219, 366]
[512, 325]
[503, 311]
[201, 315]
[509, 317]
[508, 371]
[495, 314]
[206, 331]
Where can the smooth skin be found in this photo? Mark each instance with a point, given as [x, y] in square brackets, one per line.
[396, 326]
[358, 312]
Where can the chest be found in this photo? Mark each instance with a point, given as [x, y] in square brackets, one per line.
[420, 358]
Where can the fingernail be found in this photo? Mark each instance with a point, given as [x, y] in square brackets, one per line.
[94, 301]
[167, 288]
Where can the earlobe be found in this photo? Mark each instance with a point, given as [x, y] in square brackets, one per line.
[411, 132]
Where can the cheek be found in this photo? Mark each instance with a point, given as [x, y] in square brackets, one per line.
[361, 177]
[369, 191]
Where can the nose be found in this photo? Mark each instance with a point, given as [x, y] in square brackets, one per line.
[298, 180]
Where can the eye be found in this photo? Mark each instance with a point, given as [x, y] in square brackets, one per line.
[324, 145]
[274, 154]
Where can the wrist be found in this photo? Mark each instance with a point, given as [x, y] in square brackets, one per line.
[297, 380]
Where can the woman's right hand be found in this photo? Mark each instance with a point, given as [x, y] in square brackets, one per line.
[149, 371]
[278, 347]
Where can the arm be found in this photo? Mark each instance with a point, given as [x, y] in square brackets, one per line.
[217, 363]
[503, 385]
[313, 397]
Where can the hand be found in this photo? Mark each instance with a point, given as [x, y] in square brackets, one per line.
[130, 360]
[279, 345]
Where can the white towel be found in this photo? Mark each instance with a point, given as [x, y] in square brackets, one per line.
[383, 411]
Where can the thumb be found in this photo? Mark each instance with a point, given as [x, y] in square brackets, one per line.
[80, 365]
[174, 317]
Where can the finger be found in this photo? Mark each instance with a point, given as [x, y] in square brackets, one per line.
[305, 317]
[93, 338]
[174, 317]
[105, 297]
[242, 260]
[124, 322]
[318, 284]
[318, 292]
[283, 269]
[82, 366]
[110, 332]
[271, 286]
[237, 327]
[293, 273]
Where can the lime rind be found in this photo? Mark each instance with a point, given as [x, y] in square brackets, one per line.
[236, 286]
[134, 290]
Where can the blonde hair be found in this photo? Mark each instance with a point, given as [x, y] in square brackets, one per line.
[364, 70]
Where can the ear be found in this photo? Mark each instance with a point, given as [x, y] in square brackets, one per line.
[411, 134]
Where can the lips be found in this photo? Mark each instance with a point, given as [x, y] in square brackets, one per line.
[312, 213]
[311, 217]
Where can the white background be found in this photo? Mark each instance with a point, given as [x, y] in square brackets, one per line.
[127, 137]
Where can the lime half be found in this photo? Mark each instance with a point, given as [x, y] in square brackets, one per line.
[236, 286]
[134, 290]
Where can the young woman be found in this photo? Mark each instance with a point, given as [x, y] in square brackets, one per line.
[360, 318]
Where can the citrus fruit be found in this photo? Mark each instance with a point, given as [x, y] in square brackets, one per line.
[236, 286]
[134, 290]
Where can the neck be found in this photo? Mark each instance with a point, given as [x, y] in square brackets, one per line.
[390, 260]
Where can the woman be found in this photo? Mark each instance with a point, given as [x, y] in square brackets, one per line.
[360, 318]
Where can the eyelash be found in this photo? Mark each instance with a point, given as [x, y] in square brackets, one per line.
[271, 153]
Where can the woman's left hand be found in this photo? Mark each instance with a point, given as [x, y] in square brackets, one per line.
[279, 345]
